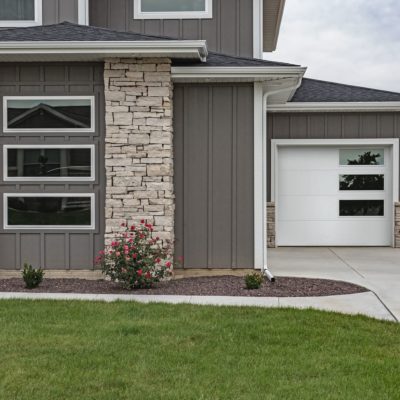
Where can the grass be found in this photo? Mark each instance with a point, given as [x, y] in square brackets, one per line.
[76, 350]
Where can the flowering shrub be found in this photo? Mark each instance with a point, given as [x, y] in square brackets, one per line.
[136, 259]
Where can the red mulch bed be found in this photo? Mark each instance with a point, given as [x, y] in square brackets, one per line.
[205, 286]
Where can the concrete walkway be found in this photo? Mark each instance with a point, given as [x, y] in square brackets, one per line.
[376, 268]
[362, 303]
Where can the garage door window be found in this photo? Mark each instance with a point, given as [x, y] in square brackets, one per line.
[50, 211]
[350, 208]
[362, 156]
[362, 182]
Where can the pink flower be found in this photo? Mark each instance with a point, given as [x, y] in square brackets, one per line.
[142, 221]
[168, 264]
[134, 256]
[117, 253]
[148, 275]
[123, 224]
[140, 272]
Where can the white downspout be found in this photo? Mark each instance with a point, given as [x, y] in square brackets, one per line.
[266, 93]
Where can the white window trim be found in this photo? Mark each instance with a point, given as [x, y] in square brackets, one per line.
[92, 225]
[90, 178]
[393, 144]
[83, 12]
[20, 24]
[139, 14]
[92, 129]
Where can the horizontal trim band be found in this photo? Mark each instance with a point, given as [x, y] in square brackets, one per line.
[386, 106]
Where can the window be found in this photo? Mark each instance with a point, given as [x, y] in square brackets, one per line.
[362, 156]
[44, 114]
[348, 208]
[362, 182]
[19, 13]
[49, 211]
[49, 163]
[173, 9]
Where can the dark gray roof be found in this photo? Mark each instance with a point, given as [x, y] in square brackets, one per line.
[313, 90]
[67, 31]
[223, 60]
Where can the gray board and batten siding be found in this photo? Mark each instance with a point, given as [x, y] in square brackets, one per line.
[331, 125]
[230, 31]
[54, 249]
[56, 11]
[214, 185]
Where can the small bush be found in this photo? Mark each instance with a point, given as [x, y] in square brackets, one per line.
[254, 281]
[32, 277]
[136, 259]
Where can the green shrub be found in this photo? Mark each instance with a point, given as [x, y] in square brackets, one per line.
[253, 281]
[32, 277]
[136, 259]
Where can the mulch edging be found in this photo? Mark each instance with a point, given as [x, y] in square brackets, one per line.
[204, 286]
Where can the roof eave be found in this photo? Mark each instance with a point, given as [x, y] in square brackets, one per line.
[271, 31]
[231, 74]
[378, 106]
[98, 50]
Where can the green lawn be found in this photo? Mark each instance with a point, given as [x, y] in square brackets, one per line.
[77, 350]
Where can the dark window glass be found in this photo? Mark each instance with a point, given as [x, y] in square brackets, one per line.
[173, 5]
[17, 10]
[361, 208]
[362, 156]
[49, 114]
[362, 182]
[42, 211]
[49, 163]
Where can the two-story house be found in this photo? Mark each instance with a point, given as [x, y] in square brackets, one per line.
[121, 110]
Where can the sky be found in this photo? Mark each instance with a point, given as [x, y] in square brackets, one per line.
[349, 41]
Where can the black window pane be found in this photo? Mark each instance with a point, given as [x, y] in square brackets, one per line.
[55, 211]
[49, 162]
[361, 208]
[49, 114]
[362, 182]
[362, 157]
[17, 10]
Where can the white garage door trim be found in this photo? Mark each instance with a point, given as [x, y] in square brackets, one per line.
[393, 144]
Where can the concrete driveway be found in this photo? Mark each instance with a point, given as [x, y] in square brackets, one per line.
[376, 268]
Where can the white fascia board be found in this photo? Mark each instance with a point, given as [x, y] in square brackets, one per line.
[196, 49]
[251, 73]
[337, 107]
[83, 12]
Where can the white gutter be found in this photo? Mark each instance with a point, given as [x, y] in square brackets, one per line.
[196, 49]
[337, 107]
[258, 73]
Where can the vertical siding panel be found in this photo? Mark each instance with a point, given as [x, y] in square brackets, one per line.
[298, 126]
[210, 192]
[387, 125]
[222, 176]
[245, 178]
[234, 194]
[334, 126]
[195, 177]
[351, 126]
[369, 125]
[316, 126]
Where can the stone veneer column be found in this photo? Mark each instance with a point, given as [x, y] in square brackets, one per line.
[139, 154]
[271, 225]
[397, 225]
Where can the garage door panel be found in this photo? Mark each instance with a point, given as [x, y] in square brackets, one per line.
[307, 208]
[311, 183]
[307, 158]
[325, 233]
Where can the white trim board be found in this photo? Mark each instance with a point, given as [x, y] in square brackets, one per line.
[92, 129]
[83, 12]
[336, 107]
[22, 24]
[391, 143]
[90, 178]
[92, 225]
[206, 14]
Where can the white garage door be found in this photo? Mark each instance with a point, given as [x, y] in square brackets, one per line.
[330, 196]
